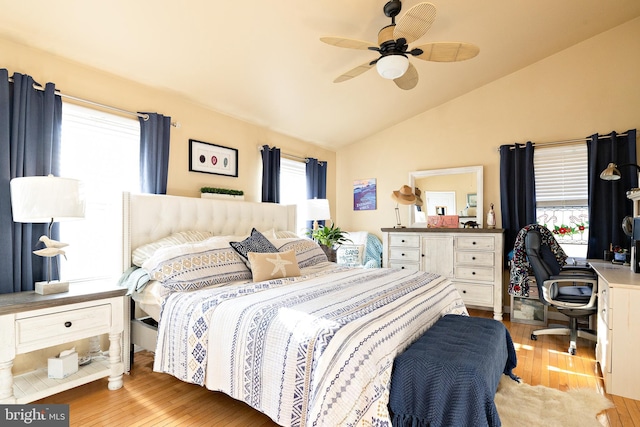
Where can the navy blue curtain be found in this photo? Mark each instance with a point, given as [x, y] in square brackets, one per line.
[608, 202]
[270, 174]
[30, 124]
[316, 172]
[517, 190]
[155, 133]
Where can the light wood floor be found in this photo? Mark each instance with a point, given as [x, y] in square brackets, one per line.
[153, 399]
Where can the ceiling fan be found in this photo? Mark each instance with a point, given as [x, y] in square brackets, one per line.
[392, 46]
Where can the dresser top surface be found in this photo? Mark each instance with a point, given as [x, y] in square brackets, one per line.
[442, 230]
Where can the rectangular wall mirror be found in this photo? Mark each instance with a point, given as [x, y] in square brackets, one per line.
[453, 191]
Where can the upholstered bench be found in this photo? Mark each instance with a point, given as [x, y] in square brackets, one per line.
[450, 375]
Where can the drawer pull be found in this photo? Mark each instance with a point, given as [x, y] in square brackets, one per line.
[67, 324]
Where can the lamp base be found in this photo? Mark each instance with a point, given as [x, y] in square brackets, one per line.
[53, 287]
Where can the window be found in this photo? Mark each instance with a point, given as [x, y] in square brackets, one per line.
[562, 195]
[293, 186]
[103, 151]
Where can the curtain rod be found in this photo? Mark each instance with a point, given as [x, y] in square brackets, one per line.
[567, 141]
[292, 156]
[145, 117]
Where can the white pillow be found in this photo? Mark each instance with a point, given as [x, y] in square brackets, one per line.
[350, 255]
[197, 265]
[307, 251]
[144, 252]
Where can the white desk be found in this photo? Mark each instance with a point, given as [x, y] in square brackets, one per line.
[618, 344]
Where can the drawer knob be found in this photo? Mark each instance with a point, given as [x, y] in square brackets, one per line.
[473, 273]
[473, 243]
[473, 258]
[464, 292]
[67, 324]
[402, 268]
[402, 254]
[402, 240]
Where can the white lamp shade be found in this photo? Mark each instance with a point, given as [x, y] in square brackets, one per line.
[392, 66]
[42, 199]
[317, 209]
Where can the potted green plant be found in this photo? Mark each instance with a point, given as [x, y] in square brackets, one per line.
[221, 193]
[328, 237]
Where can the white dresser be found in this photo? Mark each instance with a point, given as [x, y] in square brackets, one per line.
[471, 258]
[618, 346]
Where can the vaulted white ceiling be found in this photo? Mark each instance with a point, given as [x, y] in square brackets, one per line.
[262, 61]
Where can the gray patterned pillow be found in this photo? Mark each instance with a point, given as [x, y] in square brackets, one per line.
[256, 242]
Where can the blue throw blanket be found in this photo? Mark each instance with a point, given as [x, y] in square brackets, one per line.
[450, 375]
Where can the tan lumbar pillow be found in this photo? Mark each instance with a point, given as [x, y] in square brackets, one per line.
[273, 265]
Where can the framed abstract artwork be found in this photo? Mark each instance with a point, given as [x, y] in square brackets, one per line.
[211, 158]
[364, 194]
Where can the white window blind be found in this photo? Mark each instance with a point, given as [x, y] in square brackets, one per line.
[561, 175]
[103, 151]
[293, 186]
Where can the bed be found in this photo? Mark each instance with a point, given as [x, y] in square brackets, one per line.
[310, 348]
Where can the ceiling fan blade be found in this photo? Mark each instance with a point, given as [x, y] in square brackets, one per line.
[348, 43]
[416, 22]
[355, 72]
[447, 51]
[409, 79]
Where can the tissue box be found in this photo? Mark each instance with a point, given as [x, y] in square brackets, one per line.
[61, 367]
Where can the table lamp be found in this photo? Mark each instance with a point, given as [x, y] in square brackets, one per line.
[317, 210]
[403, 196]
[47, 199]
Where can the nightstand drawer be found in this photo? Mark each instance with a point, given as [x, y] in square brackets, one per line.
[51, 329]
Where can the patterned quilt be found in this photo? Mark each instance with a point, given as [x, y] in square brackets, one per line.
[310, 351]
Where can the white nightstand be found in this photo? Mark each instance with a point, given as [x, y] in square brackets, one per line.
[29, 321]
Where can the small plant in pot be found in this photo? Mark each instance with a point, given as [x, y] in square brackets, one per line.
[225, 192]
[328, 237]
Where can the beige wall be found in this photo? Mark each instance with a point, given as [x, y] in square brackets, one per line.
[196, 122]
[591, 87]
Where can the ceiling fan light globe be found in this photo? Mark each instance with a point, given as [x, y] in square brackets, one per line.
[392, 66]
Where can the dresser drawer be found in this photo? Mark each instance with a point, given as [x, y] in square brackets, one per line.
[404, 254]
[404, 240]
[485, 243]
[604, 312]
[413, 266]
[57, 328]
[474, 258]
[475, 294]
[481, 274]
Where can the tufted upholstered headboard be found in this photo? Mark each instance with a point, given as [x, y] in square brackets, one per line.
[149, 217]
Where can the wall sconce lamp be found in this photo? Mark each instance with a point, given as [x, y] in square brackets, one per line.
[611, 173]
[47, 199]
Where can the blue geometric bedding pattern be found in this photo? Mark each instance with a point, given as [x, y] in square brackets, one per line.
[313, 351]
